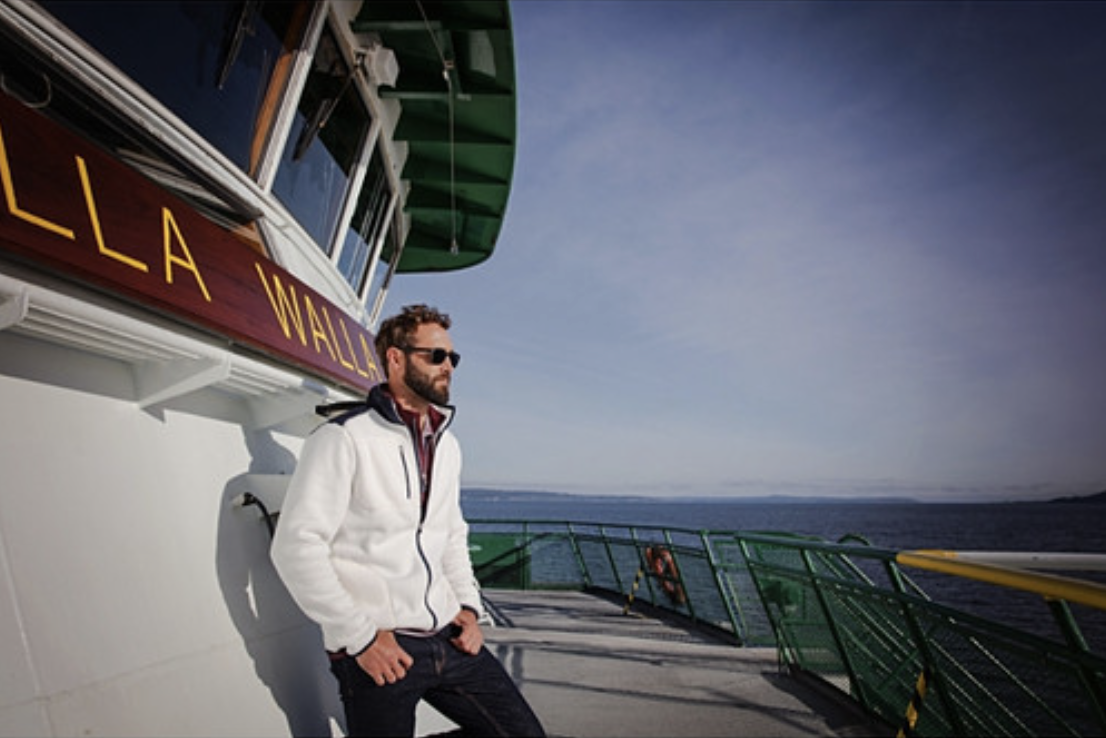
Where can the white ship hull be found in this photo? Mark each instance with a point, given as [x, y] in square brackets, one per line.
[136, 594]
[176, 301]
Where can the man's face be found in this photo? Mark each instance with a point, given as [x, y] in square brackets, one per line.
[427, 380]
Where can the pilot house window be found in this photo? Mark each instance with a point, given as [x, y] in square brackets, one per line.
[221, 69]
[329, 131]
[370, 220]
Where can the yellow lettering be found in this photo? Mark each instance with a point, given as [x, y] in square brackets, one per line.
[283, 308]
[167, 223]
[334, 337]
[369, 361]
[13, 206]
[317, 331]
[94, 219]
[352, 353]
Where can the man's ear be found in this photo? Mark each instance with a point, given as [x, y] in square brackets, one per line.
[392, 358]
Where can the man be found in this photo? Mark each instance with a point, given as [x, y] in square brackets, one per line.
[372, 546]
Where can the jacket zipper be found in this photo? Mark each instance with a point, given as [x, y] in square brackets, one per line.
[418, 541]
[429, 579]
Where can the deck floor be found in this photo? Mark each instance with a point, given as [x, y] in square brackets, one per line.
[589, 670]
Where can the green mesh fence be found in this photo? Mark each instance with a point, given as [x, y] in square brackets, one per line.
[851, 616]
[845, 613]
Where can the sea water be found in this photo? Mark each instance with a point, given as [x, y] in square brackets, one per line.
[1037, 526]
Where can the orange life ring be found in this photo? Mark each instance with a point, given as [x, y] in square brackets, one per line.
[663, 566]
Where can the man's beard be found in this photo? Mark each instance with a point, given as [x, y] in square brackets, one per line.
[423, 386]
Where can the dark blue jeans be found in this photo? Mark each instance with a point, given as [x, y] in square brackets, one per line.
[473, 691]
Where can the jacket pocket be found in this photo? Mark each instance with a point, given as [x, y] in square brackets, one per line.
[406, 471]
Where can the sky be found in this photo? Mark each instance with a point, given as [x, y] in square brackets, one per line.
[800, 247]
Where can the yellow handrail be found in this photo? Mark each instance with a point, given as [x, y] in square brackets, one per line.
[1050, 586]
[1036, 560]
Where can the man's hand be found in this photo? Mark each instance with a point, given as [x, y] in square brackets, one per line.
[384, 660]
[471, 638]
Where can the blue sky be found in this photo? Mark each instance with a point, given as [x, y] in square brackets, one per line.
[793, 246]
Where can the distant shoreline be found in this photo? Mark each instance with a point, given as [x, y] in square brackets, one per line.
[1097, 499]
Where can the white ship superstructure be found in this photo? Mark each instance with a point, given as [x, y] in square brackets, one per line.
[203, 207]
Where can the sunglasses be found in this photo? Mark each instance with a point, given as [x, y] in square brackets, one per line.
[437, 355]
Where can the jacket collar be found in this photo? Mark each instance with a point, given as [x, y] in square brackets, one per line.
[381, 400]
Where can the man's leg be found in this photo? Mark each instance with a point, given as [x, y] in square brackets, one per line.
[382, 711]
[480, 696]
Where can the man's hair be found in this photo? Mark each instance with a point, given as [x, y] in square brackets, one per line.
[398, 329]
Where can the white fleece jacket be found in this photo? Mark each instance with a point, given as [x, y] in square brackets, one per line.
[350, 545]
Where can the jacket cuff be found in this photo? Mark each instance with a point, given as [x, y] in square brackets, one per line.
[368, 646]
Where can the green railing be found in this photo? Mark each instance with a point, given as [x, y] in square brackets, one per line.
[982, 661]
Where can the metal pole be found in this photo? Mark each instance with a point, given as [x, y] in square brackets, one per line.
[831, 622]
[732, 606]
[610, 557]
[581, 562]
[1087, 677]
[924, 653]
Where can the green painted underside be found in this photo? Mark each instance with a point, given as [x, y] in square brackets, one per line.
[462, 197]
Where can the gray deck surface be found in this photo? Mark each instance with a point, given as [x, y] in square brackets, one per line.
[589, 670]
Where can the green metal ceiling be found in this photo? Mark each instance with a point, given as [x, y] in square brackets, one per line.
[460, 178]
